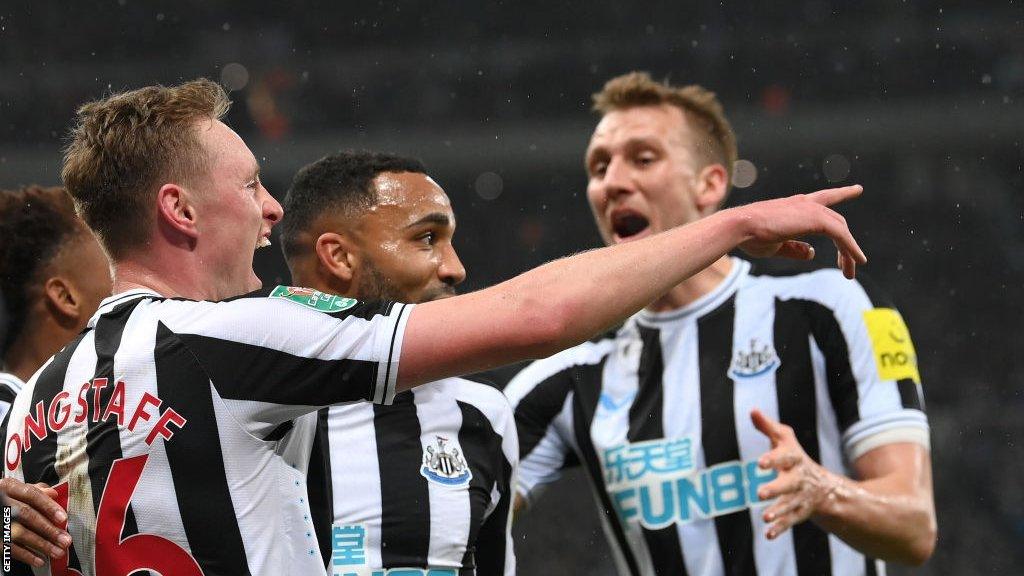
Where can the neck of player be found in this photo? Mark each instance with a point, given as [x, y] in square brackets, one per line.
[694, 287]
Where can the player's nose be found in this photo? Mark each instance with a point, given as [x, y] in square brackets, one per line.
[272, 210]
[451, 271]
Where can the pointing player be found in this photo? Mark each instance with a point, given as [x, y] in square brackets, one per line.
[53, 275]
[424, 484]
[157, 425]
[660, 412]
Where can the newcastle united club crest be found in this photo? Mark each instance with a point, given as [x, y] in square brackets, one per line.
[444, 464]
[754, 361]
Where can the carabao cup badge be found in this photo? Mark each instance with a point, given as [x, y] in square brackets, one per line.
[444, 464]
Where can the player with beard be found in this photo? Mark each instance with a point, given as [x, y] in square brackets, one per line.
[425, 483]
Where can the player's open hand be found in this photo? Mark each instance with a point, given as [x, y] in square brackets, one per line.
[774, 226]
[801, 485]
[37, 529]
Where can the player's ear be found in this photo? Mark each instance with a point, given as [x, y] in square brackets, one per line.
[62, 300]
[712, 186]
[176, 210]
[335, 255]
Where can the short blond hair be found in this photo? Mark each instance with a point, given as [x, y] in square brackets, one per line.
[715, 142]
[125, 145]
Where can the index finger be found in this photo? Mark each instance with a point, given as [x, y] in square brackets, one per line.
[832, 196]
[34, 498]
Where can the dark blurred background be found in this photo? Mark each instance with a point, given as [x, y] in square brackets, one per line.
[920, 101]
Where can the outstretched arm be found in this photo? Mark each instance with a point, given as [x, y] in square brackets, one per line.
[567, 301]
[888, 514]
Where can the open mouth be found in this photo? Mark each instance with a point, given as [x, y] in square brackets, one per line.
[626, 224]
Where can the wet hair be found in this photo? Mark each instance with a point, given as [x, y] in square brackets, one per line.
[715, 142]
[35, 223]
[339, 182]
[125, 146]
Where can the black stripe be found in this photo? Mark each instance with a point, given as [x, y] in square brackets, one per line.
[842, 385]
[7, 394]
[870, 567]
[38, 462]
[794, 386]
[910, 395]
[481, 445]
[645, 423]
[718, 430]
[196, 460]
[538, 408]
[103, 440]
[320, 487]
[405, 497]
[587, 393]
[247, 372]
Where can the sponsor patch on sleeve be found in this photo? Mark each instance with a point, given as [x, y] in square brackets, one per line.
[315, 299]
[890, 341]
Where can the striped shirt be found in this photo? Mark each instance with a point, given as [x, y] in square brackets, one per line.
[159, 426]
[658, 414]
[10, 385]
[421, 486]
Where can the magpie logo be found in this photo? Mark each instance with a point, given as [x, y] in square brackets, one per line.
[753, 361]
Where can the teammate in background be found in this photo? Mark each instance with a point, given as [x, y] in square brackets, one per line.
[662, 412]
[53, 275]
[157, 424]
[426, 482]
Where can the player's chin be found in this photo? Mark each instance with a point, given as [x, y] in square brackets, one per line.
[253, 283]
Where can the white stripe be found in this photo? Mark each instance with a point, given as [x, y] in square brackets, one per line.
[450, 512]
[755, 317]
[355, 472]
[682, 418]
[156, 485]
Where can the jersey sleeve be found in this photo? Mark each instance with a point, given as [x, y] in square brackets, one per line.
[871, 367]
[541, 398]
[290, 355]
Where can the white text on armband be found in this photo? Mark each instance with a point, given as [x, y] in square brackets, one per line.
[63, 410]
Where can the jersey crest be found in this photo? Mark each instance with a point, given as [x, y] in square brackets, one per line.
[314, 299]
[754, 361]
[444, 464]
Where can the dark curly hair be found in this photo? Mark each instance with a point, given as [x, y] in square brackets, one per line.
[342, 181]
[35, 223]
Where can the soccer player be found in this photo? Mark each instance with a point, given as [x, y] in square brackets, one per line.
[53, 275]
[731, 387]
[424, 484]
[158, 424]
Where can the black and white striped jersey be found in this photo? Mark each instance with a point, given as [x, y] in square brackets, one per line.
[159, 426]
[423, 486]
[10, 385]
[658, 414]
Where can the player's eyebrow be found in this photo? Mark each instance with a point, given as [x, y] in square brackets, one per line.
[439, 218]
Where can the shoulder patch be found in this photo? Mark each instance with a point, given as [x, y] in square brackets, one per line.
[314, 299]
[890, 341]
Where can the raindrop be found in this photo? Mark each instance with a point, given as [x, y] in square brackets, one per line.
[836, 168]
[234, 76]
[744, 174]
[226, 26]
[160, 17]
[488, 185]
[986, 79]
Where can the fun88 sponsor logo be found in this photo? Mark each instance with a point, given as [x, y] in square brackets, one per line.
[348, 556]
[655, 483]
[406, 572]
